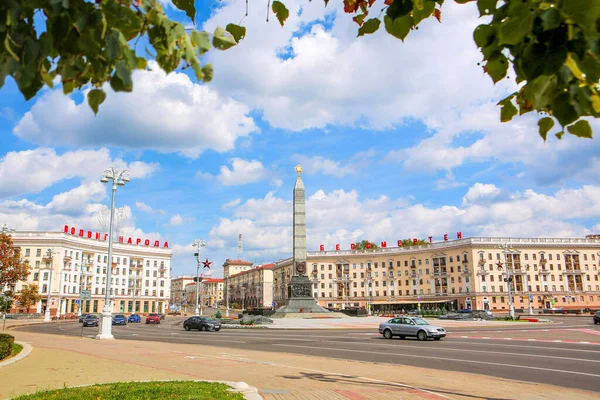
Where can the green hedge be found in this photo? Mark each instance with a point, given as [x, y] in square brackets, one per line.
[6, 342]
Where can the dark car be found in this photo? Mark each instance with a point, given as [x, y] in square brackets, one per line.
[82, 317]
[119, 319]
[153, 319]
[597, 318]
[134, 318]
[90, 320]
[202, 324]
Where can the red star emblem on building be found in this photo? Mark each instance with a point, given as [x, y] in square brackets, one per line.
[206, 263]
[499, 264]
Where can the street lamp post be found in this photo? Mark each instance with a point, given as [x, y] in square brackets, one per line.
[529, 291]
[50, 256]
[511, 306]
[118, 178]
[199, 244]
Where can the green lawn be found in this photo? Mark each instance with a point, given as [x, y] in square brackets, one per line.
[140, 390]
[16, 349]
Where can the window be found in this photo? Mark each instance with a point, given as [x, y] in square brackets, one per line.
[27, 252]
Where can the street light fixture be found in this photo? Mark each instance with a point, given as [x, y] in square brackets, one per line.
[49, 256]
[118, 178]
[199, 243]
[511, 306]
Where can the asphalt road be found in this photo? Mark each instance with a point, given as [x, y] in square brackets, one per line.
[563, 364]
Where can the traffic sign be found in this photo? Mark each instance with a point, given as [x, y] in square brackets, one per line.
[530, 297]
[77, 301]
[85, 295]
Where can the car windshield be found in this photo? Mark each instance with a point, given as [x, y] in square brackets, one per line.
[153, 315]
[420, 321]
[119, 316]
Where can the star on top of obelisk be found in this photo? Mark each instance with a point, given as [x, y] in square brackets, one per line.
[298, 170]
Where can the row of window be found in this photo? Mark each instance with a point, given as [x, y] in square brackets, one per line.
[70, 253]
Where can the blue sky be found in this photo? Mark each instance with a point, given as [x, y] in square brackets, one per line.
[396, 140]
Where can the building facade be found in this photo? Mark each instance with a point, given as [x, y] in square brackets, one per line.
[212, 291]
[64, 264]
[252, 288]
[178, 298]
[544, 273]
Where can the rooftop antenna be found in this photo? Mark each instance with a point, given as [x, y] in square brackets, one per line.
[240, 252]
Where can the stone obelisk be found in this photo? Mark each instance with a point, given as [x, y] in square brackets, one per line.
[300, 298]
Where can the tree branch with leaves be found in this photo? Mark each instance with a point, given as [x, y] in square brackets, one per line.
[12, 267]
[553, 47]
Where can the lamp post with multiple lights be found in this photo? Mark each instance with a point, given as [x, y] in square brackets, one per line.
[199, 244]
[49, 256]
[508, 279]
[118, 178]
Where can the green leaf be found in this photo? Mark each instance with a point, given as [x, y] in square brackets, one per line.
[399, 8]
[222, 40]
[540, 91]
[497, 66]
[187, 6]
[484, 35]
[584, 13]
[545, 124]
[590, 65]
[551, 19]
[122, 78]
[515, 28]
[95, 98]
[398, 27]
[508, 110]
[280, 11]
[46, 76]
[207, 70]
[563, 110]
[201, 40]
[581, 129]
[560, 134]
[486, 7]
[572, 64]
[238, 32]
[369, 27]
[422, 10]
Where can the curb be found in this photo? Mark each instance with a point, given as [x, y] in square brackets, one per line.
[24, 353]
[249, 392]
[527, 340]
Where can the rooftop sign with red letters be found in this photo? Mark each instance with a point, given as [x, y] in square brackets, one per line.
[384, 244]
[104, 237]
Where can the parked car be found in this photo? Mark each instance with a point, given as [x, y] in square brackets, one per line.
[465, 311]
[91, 320]
[411, 326]
[597, 318]
[202, 324]
[153, 319]
[119, 319]
[134, 318]
[82, 317]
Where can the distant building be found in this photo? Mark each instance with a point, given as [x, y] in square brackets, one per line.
[140, 277]
[251, 288]
[178, 297]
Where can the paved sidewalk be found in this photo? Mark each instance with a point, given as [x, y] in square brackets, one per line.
[58, 361]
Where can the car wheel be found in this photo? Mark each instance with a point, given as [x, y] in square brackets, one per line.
[436, 338]
[387, 334]
[422, 335]
[202, 328]
[186, 327]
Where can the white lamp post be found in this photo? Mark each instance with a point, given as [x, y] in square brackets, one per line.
[50, 256]
[511, 306]
[118, 178]
[199, 244]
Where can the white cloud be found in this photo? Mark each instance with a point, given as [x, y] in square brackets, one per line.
[176, 220]
[325, 166]
[31, 171]
[332, 77]
[232, 203]
[165, 113]
[147, 209]
[242, 172]
[480, 191]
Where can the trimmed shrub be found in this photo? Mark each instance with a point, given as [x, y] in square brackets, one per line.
[6, 342]
[218, 314]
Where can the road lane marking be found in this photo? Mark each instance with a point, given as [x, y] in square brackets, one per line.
[451, 359]
[474, 351]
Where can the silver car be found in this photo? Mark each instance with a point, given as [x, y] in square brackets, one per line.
[411, 326]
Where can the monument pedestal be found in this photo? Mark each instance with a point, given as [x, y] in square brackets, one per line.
[301, 304]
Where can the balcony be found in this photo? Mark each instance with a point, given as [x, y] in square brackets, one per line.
[483, 272]
[573, 272]
[544, 271]
[466, 271]
[440, 273]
